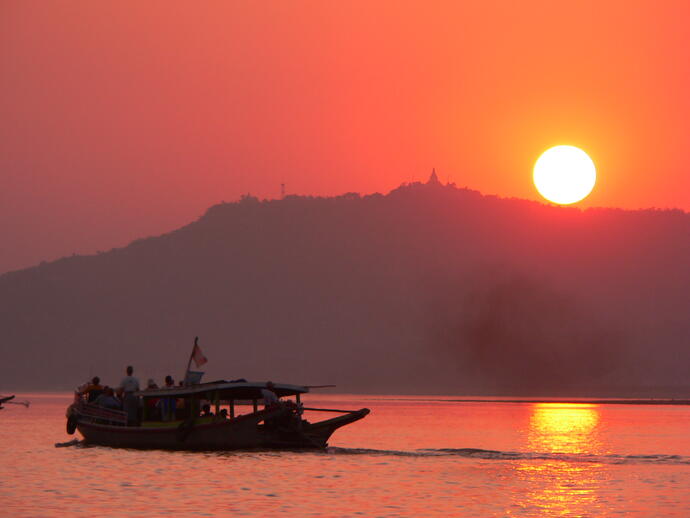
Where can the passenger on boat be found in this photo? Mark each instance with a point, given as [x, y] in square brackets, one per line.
[179, 405]
[206, 411]
[130, 403]
[269, 396]
[166, 405]
[152, 406]
[223, 414]
[107, 399]
[92, 390]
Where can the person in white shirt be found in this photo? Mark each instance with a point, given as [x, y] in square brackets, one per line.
[269, 396]
[130, 403]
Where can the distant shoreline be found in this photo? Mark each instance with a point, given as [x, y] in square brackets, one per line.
[582, 401]
[436, 398]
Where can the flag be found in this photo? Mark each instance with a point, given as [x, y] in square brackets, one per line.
[198, 356]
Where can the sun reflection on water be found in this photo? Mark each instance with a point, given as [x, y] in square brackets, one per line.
[561, 487]
[564, 428]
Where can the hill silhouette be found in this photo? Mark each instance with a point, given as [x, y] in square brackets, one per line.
[428, 289]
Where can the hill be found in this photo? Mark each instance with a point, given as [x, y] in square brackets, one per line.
[428, 289]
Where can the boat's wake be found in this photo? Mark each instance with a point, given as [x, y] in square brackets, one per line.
[73, 442]
[475, 453]
[468, 453]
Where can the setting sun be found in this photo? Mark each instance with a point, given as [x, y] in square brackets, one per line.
[564, 174]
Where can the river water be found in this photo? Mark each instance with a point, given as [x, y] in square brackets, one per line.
[409, 457]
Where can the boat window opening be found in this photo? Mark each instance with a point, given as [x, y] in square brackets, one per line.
[239, 407]
[216, 403]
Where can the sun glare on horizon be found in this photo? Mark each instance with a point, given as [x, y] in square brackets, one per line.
[564, 174]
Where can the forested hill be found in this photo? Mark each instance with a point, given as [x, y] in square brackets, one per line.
[428, 289]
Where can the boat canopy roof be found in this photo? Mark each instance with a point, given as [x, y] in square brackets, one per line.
[224, 390]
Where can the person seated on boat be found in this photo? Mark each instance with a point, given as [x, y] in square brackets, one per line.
[206, 411]
[152, 407]
[92, 390]
[223, 414]
[269, 396]
[130, 403]
[107, 399]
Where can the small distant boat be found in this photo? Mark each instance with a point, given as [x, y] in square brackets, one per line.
[279, 426]
[8, 400]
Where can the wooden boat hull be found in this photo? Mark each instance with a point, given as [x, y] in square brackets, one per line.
[244, 432]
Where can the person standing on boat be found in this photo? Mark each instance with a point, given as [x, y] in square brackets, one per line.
[167, 404]
[130, 403]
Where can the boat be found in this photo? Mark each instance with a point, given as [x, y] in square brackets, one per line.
[237, 422]
[5, 399]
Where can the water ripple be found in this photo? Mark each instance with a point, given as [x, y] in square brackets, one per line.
[476, 453]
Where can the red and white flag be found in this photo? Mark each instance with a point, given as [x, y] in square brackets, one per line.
[198, 356]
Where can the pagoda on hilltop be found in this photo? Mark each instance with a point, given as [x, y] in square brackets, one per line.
[433, 179]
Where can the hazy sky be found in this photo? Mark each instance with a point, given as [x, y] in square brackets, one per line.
[124, 119]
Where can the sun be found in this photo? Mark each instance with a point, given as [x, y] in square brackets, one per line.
[564, 174]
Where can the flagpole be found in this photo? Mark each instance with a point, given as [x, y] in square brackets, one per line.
[189, 363]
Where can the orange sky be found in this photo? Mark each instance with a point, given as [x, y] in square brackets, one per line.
[123, 119]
